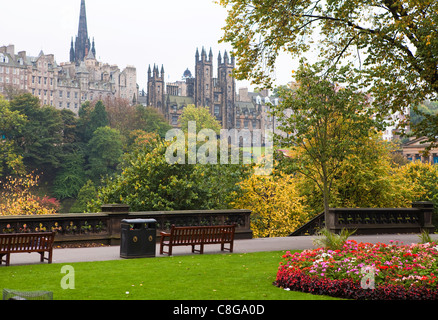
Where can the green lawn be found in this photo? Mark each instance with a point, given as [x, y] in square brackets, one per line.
[195, 277]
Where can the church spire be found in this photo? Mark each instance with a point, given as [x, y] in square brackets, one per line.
[83, 29]
[82, 43]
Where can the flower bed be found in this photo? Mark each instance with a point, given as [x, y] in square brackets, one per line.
[364, 271]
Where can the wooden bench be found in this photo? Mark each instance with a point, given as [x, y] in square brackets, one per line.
[186, 236]
[27, 243]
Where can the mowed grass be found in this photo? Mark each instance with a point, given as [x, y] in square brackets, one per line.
[195, 277]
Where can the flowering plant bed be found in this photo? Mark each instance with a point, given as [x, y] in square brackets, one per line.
[364, 271]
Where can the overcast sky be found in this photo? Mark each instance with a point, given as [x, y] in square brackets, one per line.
[128, 32]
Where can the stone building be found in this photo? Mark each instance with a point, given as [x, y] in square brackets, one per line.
[67, 85]
[413, 150]
[218, 93]
[13, 70]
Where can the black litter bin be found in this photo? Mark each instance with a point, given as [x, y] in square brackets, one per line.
[138, 238]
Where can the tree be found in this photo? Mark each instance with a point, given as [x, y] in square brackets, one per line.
[276, 204]
[104, 153]
[367, 178]
[150, 119]
[86, 194]
[393, 42]
[70, 177]
[41, 137]
[149, 183]
[11, 123]
[322, 124]
[202, 117]
[91, 118]
[16, 197]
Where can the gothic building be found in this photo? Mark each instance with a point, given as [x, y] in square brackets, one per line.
[216, 93]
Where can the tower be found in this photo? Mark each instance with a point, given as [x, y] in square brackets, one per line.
[82, 44]
[204, 80]
[227, 85]
[156, 88]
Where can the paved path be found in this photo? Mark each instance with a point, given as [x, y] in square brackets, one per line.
[72, 255]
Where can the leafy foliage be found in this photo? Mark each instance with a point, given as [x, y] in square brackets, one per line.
[276, 204]
[16, 197]
[104, 151]
[11, 123]
[322, 124]
[202, 117]
[392, 42]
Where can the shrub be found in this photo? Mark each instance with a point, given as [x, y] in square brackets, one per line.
[332, 240]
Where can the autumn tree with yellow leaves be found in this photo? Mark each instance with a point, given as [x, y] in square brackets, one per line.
[16, 197]
[276, 204]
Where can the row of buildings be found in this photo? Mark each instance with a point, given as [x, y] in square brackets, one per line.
[66, 85]
[211, 88]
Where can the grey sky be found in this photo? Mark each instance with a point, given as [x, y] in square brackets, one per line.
[129, 32]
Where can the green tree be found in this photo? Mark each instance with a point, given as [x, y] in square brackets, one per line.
[71, 176]
[149, 183]
[104, 153]
[150, 119]
[91, 118]
[322, 124]
[86, 194]
[11, 124]
[201, 116]
[41, 136]
[393, 42]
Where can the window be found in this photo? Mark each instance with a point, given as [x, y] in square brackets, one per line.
[174, 120]
[60, 94]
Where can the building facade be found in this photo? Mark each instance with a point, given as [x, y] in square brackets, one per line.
[67, 85]
[218, 93]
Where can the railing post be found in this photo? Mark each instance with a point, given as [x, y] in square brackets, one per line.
[330, 220]
[116, 213]
[426, 208]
